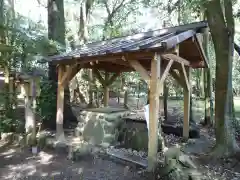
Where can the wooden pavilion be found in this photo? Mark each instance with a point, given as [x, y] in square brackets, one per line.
[153, 54]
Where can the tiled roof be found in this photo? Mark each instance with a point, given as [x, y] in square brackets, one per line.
[162, 38]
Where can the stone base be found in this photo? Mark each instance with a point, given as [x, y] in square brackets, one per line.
[101, 125]
[134, 135]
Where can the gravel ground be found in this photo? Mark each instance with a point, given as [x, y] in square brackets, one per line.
[17, 164]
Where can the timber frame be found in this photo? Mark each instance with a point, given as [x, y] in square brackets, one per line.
[155, 55]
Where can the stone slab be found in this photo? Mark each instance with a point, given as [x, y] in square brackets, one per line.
[128, 158]
[106, 110]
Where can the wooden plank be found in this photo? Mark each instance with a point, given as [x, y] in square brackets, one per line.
[175, 40]
[60, 101]
[128, 158]
[154, 113]
[187, 93]
[176, 58]
[140, 69]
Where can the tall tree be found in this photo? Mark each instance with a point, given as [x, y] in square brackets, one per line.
[208, 120]
[221, 23]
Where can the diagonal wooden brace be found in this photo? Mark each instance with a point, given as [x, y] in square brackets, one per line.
[184, 73]
[140, 69]
[164, 75]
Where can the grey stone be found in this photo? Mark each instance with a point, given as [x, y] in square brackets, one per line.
[8, 137]
[93, 132]
[186, 161]
[109, 138]
[42, 138]
[194, 174]
[61, 148]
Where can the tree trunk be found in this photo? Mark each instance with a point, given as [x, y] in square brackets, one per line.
[222, 35]
[208, 120]
[85, 8]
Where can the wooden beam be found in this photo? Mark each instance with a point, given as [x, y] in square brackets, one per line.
[185, 76]
[175, 40]
[121, 62]
[100, 58]
[187, 93]
[154, 112]
[177, 77]
[76, 68]
[66, 75]
[176, 58]
[112, 79]
[60, 101]
[164, 75]
[198, 42]
[99, 77]
[140, 69]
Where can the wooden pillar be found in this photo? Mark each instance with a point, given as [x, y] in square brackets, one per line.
[106, 90]
[153, 112]
[187, 93]
[33, 106]
[60, 105]
[28, 110]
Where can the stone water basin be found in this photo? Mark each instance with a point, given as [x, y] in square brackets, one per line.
[100, 126]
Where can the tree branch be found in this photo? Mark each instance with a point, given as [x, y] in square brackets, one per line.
[40, 3]
[237, 48]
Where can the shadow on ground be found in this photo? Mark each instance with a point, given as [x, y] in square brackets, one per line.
[21, 164]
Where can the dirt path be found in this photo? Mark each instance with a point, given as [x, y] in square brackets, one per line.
[16, 164]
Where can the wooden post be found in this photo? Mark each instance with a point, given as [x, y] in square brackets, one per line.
[187, 92]
[153, 112]
[33, 107]
[106, 90]
[106, 82]
[60, 101]
[28, 111]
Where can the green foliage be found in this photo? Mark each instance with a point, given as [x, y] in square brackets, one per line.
[46, 102]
